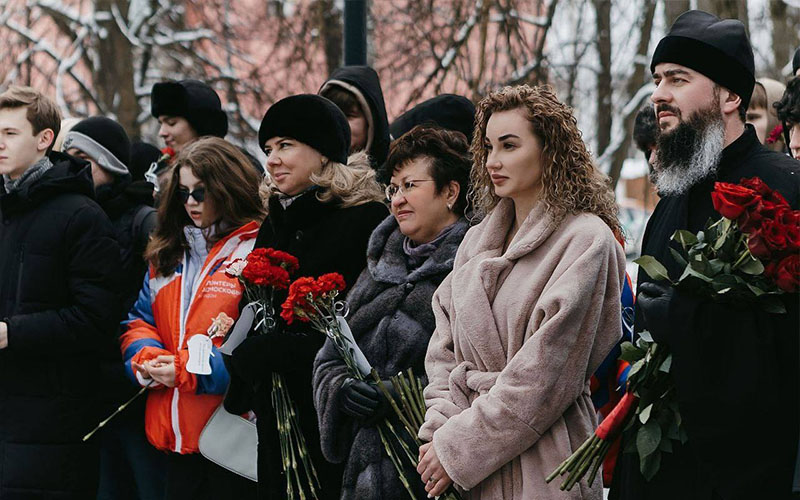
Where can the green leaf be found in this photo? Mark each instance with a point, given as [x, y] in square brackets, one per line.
[684, 238]
[647, 438]
[752, 266]
[666, 365]
[676, 255]
[665, 445]
[756, 290]
[649, 465]
[635, 368]
[645, 335]
[631, 353]
[692, 272]
[715, 266]
[652, 267]
[772, 304]
[644, 416]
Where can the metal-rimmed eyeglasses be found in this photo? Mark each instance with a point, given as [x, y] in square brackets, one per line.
[392, 189]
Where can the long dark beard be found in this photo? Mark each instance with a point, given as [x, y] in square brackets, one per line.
[689, 153]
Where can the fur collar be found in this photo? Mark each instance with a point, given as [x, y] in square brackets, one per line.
[386, 260]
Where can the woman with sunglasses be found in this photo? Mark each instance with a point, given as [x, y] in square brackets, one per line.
[321, 208]
[210, 213]
[409, 255]
[529, 312]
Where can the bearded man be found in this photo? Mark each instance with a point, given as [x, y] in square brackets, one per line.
[735, 367]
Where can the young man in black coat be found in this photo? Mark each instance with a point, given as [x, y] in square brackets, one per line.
[735, 367]
[58, 306]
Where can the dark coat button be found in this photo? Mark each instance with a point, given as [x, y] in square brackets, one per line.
[298, 235]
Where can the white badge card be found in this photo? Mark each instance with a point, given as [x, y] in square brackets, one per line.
[199, 355]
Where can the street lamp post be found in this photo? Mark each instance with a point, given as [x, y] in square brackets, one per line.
[355, 32]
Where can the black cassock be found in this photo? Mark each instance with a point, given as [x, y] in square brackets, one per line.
[735, 367]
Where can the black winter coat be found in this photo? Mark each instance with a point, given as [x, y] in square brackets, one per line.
[392, 321]
[58, 260]
[324, 238]
[735, 367]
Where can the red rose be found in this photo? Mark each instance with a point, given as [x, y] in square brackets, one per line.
[787, 274]
[775, 235]
[731, 200]
[757, 245]
[791, 218]
[766, 192]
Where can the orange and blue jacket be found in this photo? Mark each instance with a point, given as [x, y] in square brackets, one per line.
[157, 324]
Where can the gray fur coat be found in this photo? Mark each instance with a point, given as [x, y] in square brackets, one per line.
[392, 321]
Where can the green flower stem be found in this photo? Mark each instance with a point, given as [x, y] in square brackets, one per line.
[117, 411]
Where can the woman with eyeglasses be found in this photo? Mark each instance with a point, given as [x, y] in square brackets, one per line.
[210, 213]
[409, 254]
[529, 312]
[321, 208]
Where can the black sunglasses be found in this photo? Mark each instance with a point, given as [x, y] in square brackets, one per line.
[198, 194]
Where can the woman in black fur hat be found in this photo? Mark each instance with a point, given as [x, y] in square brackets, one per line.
[409, 255]
[322, 209]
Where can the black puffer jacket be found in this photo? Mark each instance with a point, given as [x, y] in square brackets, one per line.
[324, 238]
[364, 83]
[58, 260]
[392, 321]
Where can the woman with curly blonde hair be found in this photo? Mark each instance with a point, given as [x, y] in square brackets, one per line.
[529, 312]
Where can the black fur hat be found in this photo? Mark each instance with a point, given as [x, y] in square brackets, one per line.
[312, 120]
[193, 100]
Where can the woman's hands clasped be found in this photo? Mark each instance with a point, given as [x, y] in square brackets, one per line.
[161, 369]
[433, 474]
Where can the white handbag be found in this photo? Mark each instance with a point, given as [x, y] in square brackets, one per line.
[231, 442]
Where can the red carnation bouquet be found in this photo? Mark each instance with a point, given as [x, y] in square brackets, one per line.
[262, 273]
[750, 255]
[315, 301]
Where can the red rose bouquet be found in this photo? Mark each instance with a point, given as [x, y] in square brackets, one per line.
[314, 301]
[262, 273]
[750, 255]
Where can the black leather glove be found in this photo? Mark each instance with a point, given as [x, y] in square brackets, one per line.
[653, 300]
[365, 401]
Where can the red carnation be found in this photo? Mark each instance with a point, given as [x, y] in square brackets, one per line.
[731, 200]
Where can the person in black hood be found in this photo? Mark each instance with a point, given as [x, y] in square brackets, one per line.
[129, 465]
[356, 90]
[58, 306]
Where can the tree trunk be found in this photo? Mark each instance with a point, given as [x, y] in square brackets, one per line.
[113, 80]
[604, 103]
[640, 74]
[674, 8]
[329, 21]
[785, 35]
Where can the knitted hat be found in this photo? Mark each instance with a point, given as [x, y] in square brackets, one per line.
[142, 156]
[104, 141]
[312, 120]
[448, 111]
[193, 100]
[717, 48]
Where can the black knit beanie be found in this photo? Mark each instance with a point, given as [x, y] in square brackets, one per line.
[104, 141]
[193, 100]
[142, 156]
[312, 120]
[448, 111]
[717, 48]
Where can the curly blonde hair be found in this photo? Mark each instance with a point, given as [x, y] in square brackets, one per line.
[570, 182]
[349, 185]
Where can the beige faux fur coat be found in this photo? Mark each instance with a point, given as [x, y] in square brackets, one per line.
[517, 337]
